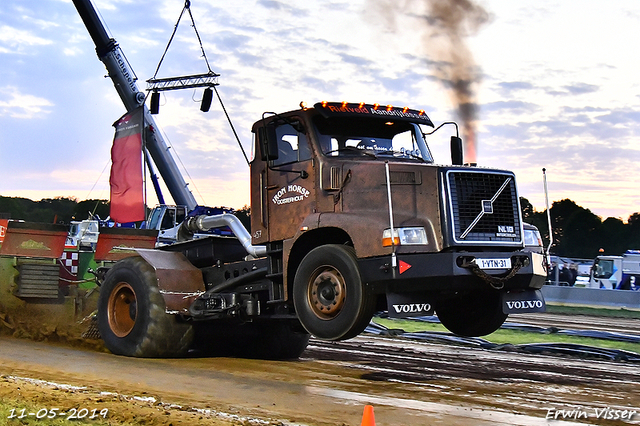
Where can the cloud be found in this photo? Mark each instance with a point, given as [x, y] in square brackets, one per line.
[229, 40]
[625, 116]
[574, 89]
[17, 41]
[581, 88]
[511, 86]
[15, 104]
[516, 107]
[358, 61]
[281, 6]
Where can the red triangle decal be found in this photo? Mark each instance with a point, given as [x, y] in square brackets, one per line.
[403, 266]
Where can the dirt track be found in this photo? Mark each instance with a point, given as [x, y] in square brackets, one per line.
[407, 383]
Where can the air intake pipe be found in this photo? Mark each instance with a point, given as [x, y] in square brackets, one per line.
[204, 223]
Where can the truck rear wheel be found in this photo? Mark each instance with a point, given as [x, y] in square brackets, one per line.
[131, 314]
[472, 314]
[329, 296]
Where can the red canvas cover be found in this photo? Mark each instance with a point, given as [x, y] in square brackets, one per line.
[127, 197]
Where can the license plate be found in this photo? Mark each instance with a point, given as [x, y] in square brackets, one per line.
[494, 263]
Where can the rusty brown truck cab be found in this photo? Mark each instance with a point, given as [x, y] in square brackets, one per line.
[331, 185]
[349, 215]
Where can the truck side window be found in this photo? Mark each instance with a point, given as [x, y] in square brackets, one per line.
[292, 145]
[168, 221]
[180, 215]
[603, 269]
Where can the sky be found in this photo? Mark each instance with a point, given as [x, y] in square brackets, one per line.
[556, 87]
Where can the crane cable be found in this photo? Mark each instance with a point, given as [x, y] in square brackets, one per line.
[187, 7]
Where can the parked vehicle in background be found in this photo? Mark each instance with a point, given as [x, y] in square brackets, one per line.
[616, 272]
[83, 234]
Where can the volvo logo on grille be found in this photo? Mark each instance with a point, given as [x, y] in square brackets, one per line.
[487, 207]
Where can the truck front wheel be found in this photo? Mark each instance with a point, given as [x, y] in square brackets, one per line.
[329, 296]
[131, 314]
[472, 314]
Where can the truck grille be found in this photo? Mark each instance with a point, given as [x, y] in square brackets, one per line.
[484, 208]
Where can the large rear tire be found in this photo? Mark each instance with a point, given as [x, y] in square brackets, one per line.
[131, 314]
[472, 314]
[329, 296]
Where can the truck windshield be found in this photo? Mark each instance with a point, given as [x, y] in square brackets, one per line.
[156, 215]
[602, 268]
[349, 136]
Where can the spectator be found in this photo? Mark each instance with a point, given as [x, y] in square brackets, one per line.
[565, 276]
[573, 274]
[551, 277]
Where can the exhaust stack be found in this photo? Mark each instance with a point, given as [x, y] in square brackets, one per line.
[205, 223]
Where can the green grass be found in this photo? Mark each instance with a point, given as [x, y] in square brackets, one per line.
[515, 337]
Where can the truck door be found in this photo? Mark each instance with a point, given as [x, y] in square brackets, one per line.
[290, 193]
[603, 273]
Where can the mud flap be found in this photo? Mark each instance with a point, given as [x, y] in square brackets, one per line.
[408, 305]
[521, 302]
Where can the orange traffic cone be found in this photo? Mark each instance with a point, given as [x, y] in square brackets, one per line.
[367, 416]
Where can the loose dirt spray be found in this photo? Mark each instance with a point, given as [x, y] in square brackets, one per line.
[445, 25]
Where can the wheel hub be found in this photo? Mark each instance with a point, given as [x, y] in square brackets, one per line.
[122, 309]
[327, 293]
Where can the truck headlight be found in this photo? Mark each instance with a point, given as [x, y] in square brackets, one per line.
[410, 236]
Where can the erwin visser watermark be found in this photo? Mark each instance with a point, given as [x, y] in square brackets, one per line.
[602, 413]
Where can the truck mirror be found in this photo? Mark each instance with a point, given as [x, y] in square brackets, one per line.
[268, 142]
[456, 151]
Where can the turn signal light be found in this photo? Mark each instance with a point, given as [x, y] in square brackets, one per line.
[386, 239]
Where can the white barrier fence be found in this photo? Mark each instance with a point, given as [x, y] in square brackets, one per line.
[579, 296]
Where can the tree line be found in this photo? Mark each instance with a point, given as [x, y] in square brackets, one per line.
[64, 210]
[52, 210]
[577, 232]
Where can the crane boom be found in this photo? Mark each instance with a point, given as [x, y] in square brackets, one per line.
[124, 80]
